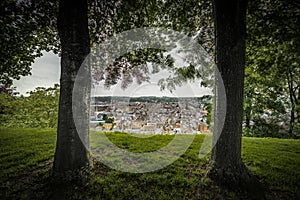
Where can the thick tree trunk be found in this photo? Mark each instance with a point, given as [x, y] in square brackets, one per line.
[230, 22]
[71, 153]
[230, 48]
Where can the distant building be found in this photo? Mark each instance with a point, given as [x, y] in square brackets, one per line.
[137, 124]
[203, 127]
[149, 127]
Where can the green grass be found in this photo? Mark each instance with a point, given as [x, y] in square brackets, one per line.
[276, 162]
[26, 157]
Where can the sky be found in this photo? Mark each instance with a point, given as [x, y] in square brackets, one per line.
[46, 73]
[151, 88]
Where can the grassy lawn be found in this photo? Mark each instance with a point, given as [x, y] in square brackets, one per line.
[26, 157]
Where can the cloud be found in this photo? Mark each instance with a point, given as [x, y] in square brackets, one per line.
[151, 88]
[45, 73]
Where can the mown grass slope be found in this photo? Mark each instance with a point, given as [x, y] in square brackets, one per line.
[26, 157]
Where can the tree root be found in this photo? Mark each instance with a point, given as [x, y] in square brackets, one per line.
[237, 179]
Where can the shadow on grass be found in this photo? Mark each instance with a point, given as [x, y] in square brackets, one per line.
[26, 158]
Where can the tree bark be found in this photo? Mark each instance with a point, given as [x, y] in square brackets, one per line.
[71, 153]
[230, 25]
[230, 29]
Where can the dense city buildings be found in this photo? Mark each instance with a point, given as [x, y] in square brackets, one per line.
[158, 115]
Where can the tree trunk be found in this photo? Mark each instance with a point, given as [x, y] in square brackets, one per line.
[226, 166]
[71, 153]
[248, 111]
[293, 101]
[298, 106]
[292, 118]
[230, 56]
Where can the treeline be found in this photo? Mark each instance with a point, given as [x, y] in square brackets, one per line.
[272, 75]
[38, 110]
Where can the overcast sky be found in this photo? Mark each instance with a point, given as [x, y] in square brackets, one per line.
[46, 72]
[151, 88]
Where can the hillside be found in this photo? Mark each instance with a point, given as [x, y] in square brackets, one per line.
[26, 157]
